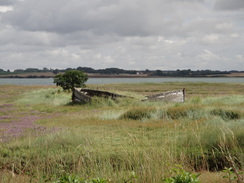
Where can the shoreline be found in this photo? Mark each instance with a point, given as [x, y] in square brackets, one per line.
[40, 75]
[45, 77]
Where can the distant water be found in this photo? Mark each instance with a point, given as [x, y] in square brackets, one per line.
[49, 81]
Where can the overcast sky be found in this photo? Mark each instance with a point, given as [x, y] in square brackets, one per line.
[127, 34]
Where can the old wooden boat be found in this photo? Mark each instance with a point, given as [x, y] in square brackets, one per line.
[169, 96]
[85, 95]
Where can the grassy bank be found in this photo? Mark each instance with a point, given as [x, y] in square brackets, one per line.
[116, 140]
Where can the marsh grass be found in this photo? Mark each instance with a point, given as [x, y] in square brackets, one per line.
[227, 114]
[114, 139]
[139, 113]
[51, 96]
[208, 147]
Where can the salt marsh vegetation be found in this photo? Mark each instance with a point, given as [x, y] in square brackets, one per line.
[115, 139]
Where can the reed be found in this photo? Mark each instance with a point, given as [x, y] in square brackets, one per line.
[117, 139]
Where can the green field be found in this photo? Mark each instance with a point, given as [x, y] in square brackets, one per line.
[45, 137]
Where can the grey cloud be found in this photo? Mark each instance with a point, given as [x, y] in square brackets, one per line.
[194, 1]
[122, 17]
[71, 16]
[7, 2]
[11, 36]
[213, 26]
[229, 4]
[130, 34]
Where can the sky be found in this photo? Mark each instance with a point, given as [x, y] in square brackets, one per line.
[126, 34]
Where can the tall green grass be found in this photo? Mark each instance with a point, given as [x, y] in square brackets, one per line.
[114, 139]
[51, 96]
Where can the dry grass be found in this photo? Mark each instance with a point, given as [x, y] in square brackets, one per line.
[212, 177]
[192, 89]
[94, 141]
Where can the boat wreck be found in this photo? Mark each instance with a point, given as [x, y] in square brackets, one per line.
[79, 97]
[169, 96]
[85, 95]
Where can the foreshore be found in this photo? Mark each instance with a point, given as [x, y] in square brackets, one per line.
[51, 75]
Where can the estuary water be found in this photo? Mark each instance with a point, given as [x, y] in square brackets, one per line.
[49, 81]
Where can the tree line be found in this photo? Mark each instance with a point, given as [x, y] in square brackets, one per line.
[118, 71]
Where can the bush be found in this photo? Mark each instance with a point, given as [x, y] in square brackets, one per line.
[71, 79]
[182, 176]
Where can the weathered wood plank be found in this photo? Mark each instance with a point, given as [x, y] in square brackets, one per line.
[100, 93]
[80, 97]
[169, 96]
[85, 95]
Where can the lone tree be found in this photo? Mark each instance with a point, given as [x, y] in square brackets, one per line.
[70, 80]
